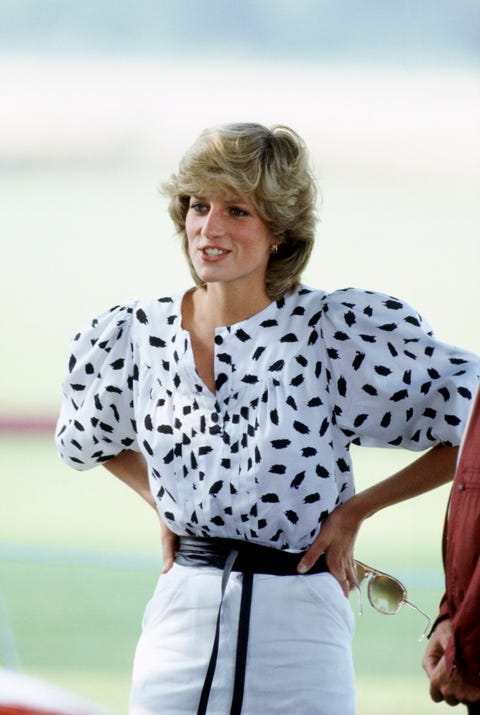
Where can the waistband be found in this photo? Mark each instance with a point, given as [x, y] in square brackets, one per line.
[235, 555]
[251, 558]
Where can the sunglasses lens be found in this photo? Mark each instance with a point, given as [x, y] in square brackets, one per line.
[386, 594]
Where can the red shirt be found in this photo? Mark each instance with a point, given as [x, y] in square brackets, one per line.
[461, 602]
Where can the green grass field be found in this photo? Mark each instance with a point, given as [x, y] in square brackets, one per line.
[79, 557]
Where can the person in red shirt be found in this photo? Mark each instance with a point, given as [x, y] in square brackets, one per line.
[452, 658]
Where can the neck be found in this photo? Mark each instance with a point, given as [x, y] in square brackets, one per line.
[223, 306]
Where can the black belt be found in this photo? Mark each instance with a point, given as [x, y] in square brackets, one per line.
[234, 555]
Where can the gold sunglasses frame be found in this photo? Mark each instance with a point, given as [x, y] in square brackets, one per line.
[369, 575]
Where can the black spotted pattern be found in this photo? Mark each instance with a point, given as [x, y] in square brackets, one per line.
[267, 457]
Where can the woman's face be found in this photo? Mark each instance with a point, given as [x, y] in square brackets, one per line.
[228, 241]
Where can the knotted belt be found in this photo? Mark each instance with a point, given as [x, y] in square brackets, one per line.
[235, 555]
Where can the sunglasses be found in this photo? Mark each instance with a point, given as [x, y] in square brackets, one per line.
[386, 594]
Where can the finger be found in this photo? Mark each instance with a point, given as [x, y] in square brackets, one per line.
[168, 550]
[452, 701]
[169, 547]
[347, 586]
[311, 556]
[343, 569]
[340, 573]
[351, 572]
[167, 565]
[435, 694]
[430, 659]
[428, 665]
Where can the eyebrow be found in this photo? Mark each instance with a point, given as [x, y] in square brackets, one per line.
[228, 199]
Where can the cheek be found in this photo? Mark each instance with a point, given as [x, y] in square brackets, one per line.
[191, 232]
[188, 226]
[261, 246]
[189, 249]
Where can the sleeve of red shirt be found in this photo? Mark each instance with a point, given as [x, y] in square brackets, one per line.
[443, 613]
[463, 649]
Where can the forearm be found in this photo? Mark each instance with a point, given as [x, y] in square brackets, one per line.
[339, 531]
[430, 471]
[130, 467]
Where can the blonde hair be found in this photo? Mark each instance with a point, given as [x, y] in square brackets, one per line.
[268, 166]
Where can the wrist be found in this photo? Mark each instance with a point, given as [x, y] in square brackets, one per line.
[441, 631]
[357, 509]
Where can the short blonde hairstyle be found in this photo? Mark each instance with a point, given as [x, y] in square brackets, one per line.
[269, 167]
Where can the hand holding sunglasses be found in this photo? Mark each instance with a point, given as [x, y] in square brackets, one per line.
[386, 594]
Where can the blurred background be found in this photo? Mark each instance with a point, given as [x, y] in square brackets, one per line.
[99, 101]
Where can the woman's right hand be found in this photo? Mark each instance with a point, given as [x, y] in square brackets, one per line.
[169, 546]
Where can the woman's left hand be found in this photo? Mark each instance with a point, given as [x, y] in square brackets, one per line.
[336, 539]
[339, 531]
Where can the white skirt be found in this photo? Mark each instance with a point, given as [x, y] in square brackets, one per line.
[299, 658]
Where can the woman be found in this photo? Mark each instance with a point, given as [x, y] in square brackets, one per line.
[230, 407]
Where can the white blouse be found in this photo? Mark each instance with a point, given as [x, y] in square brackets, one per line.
[266, 458]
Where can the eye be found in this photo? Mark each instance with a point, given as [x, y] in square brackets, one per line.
[198, 207]
[236, 211]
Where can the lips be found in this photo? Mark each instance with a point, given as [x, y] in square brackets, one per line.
[214, 251]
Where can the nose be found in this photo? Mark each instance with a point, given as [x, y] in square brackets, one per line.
[213, 225]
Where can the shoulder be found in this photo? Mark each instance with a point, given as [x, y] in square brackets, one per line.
[103, 336]
[108, 321]
[360, 307]
[370, 303]
[130, 313]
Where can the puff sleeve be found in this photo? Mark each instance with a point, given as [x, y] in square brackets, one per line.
[97, 421]
[393, 384]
